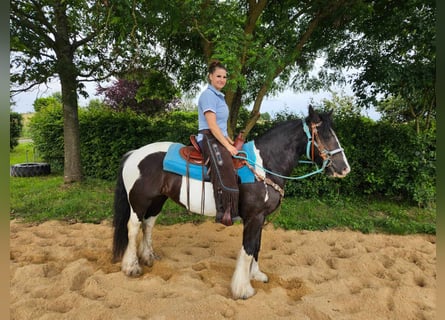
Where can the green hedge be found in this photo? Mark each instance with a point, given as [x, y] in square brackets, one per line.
[106, 135]
[386, 159]
[15, 129]
[46, 129]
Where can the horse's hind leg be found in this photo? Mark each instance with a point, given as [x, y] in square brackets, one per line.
[130, 262]
[145, 251]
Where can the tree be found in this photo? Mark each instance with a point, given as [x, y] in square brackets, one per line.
[261, 42]
[393, 49]
[148, 93]
[268, 45]
[76, 41]
[54, 100]
[70, 40]
[54, 38]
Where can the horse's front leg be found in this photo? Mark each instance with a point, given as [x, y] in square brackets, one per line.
[130, 261]
[145, 250]
[247, 267]
[256, 273]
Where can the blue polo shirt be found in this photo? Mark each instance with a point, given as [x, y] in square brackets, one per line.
[214, 101]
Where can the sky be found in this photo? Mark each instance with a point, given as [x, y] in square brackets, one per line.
[286, 100]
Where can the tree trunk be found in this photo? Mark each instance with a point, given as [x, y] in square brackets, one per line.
[72, 163]
[67, 71]
[233, 100]
[255, 113]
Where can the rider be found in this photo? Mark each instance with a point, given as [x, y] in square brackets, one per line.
[216, 145]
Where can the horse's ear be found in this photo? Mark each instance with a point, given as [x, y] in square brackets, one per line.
[313, 115]
[311, 110]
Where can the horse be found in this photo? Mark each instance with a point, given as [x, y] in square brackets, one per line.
[143, 186]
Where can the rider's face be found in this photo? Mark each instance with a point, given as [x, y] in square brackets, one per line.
[218, 78]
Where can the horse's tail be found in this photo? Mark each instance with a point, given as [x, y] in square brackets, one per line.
[121, 215]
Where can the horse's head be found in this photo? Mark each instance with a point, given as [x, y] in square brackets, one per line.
[326, 149]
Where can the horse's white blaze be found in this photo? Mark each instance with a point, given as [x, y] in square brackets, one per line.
[130, 262]
[241, 287]
[145, 250]
[130, 171]
[195, 196]
[256, 274]
[348, 168]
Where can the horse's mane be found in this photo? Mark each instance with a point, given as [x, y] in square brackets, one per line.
[280, 146]
[277, 130]
[286, 140]
[289, 126]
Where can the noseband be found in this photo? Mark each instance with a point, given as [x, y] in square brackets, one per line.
[313, 140]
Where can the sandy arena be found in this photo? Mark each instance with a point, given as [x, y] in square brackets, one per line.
[64, 271]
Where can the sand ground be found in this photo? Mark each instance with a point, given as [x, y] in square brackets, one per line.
[64, 271]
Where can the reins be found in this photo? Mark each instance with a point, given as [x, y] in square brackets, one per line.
[313, 141]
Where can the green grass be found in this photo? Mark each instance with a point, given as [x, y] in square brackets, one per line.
[23, 153]
[360, 214]
[46, 198]
[37, 199]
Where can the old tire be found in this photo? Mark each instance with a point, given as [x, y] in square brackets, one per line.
[30, 169]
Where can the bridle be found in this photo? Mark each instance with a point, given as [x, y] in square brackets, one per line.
[313, 140]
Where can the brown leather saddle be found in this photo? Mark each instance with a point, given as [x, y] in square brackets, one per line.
[192, 154]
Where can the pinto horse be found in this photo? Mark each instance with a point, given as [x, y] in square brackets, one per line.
[144, 185]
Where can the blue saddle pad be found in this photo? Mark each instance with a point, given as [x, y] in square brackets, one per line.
[173, 162]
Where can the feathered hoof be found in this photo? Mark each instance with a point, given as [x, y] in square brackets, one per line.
[260, 276]
[243, 293]
[133, 271]
[149, 259]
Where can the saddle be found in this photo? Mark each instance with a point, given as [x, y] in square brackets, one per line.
[192, 154]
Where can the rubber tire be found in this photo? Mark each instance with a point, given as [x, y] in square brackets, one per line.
[30, 169]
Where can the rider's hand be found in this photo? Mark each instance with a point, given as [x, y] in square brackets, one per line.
[233, 151]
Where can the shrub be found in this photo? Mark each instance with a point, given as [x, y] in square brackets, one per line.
[46, 129]
[106, 135]
[15, 129]
[386, 159]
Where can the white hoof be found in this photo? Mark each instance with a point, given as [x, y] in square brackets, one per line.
[256, 274]
[259, 276]
[241, 287]
[148, 259]
[132, 269]
[244, 292]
